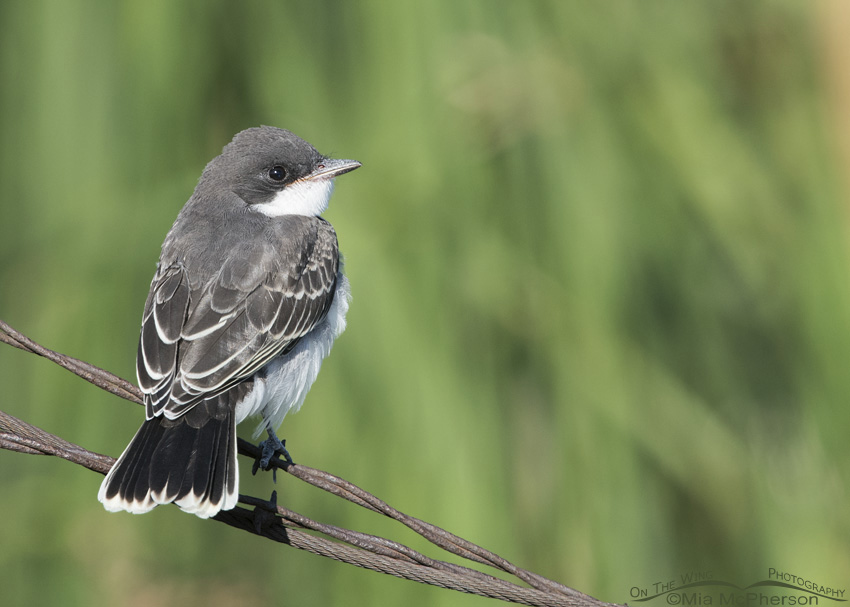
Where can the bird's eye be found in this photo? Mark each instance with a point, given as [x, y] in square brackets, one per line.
[277, 173]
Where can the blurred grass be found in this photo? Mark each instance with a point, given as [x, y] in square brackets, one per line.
[600, 271]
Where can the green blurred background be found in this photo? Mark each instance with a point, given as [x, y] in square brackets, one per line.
[599, 259]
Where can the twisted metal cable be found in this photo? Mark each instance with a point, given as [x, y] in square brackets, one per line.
[279, 524]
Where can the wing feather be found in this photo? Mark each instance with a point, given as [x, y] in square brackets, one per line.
[201, 336]
[162, 322]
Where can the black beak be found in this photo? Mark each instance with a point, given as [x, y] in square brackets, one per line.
[332, 167]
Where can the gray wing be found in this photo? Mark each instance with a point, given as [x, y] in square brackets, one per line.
[198, 340]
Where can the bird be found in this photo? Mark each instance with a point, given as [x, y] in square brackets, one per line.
[247, 299]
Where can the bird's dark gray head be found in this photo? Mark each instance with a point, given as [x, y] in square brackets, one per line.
[274, 172]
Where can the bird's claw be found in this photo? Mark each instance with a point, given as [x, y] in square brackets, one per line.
[272, 447]
[264, 514]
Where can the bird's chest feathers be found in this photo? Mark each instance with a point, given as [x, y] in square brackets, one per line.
[282, 385]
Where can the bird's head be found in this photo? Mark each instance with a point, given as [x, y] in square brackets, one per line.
[276, 173]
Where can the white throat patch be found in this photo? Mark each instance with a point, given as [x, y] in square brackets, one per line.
[309, 197]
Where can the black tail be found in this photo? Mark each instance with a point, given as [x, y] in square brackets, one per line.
[190, 461]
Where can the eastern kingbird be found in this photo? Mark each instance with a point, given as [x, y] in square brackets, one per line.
[247, 300]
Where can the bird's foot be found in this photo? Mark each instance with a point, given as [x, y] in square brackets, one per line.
[264, 514]
[272, 447]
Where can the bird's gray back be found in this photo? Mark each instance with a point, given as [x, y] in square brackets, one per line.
[229, 296]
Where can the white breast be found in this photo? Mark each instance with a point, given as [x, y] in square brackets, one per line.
[282, 385]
